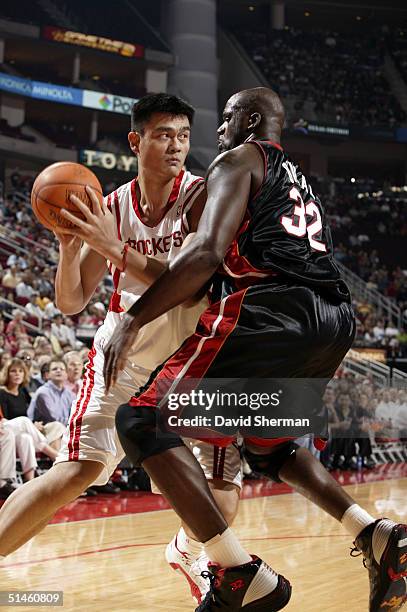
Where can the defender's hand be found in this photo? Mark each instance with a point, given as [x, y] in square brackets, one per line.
[117, 350]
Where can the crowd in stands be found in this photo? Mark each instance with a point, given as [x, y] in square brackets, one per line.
[360, 413]
[339, 77]
[363, 217]
[42, 352]
[398, 46]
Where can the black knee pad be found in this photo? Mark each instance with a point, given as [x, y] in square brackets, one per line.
[270, 465]
[141, 434]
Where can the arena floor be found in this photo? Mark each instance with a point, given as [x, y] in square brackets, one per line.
[106, 553]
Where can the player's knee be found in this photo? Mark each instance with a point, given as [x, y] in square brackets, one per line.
[270, 465]
[134, 421]
[140, 434]
[229, 508]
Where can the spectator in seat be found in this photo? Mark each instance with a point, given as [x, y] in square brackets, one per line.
[45, 286]
[391, 331]
[11, 278]
[5, 356]
[27, 356]
[401, 416]
[74, 366]
[42, 346]
[43, 366]
[17, 260]
[42, 301]
[51, 337]
[51, 310]
[385, 414]
[29, 440]
[341, 427]
[14, 397]
[32, 308]
[52, 401]
[14, 401]
[62, 332]
[8, 474]
[16, 323]
[363, 421]
[24, 288]
[378, 330]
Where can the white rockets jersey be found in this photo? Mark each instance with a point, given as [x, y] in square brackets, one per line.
[163, 242]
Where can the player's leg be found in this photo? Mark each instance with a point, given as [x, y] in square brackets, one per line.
[31, 506]
[382, 542]
[88, 455]
[222, 469]
[178, 475]
[182, 481]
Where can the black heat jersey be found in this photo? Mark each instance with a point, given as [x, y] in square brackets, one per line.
[278, 307]
[284, 234]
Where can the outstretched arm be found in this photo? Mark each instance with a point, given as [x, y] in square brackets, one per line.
[228, 187]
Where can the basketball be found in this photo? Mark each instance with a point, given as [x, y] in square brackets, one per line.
[52, 190]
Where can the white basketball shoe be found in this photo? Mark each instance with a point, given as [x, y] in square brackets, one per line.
[190, 567]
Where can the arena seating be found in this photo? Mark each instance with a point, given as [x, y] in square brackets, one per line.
[339, 77]
[34, 252]
[117, 20]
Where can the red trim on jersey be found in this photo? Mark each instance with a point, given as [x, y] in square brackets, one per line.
[198, 352]
[117, 213]
[187, 201]
[109, 206]
[171, 200]
[198, 180]
[319, 443]
[219, 461]
[240, 269]
[75, 422]
[114, 304]
[274, 144]
[238, 264]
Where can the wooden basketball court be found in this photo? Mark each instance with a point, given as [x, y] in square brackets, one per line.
[116, 563]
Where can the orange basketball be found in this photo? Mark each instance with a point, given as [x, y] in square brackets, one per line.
[52, 188]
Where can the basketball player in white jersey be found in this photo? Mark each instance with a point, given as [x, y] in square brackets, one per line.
[140, 227]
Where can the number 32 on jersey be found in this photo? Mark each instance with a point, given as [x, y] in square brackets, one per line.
[297, 223]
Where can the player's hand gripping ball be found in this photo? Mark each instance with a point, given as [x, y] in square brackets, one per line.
[52, 190]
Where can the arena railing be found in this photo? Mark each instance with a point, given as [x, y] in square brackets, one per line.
[379, 372]
[34, 328]
[360, 291]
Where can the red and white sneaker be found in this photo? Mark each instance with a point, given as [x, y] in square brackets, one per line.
[190, 567]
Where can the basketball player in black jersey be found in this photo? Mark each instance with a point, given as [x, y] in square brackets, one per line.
[264, 243]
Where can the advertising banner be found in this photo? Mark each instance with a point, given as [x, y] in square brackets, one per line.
[108, 161]
[107, 102]
[66, 95]
[100, 43]
[40, 91]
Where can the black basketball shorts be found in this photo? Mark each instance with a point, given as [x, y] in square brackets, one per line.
[264, 331]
